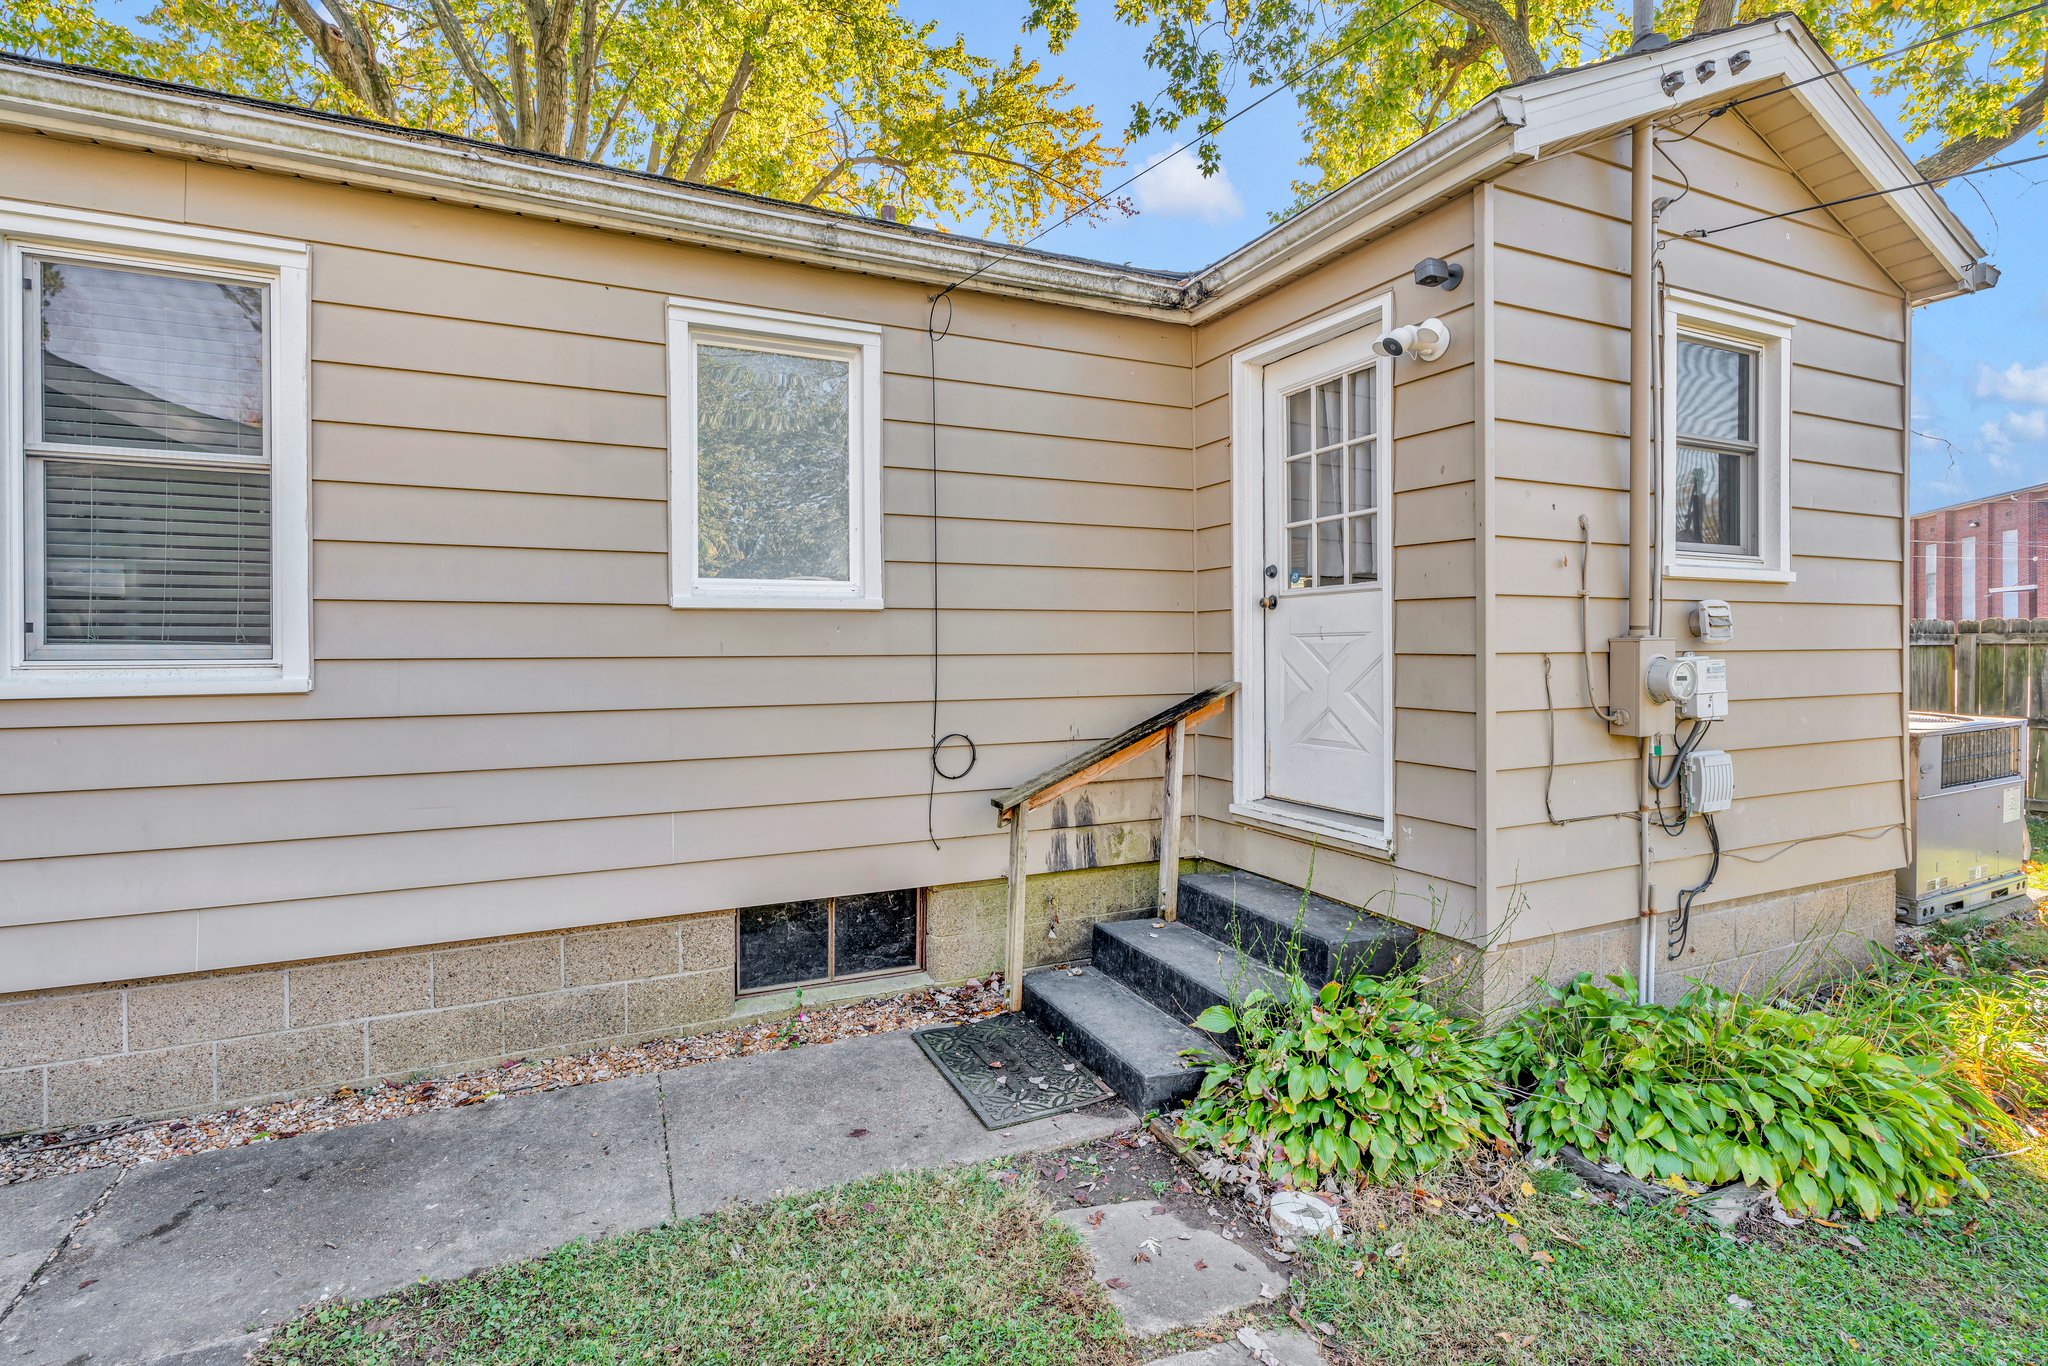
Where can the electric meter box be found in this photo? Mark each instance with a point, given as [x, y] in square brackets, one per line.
[1709, 699]
[1969, 815]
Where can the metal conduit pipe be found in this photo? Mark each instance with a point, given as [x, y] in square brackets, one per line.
[1642, 507]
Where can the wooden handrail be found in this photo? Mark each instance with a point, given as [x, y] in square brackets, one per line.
[1115, 752]
[1169, 728]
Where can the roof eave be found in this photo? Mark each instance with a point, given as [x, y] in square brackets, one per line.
[209, 128]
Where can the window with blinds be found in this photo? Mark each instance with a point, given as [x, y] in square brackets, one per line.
[148, 481]
[1715, 487]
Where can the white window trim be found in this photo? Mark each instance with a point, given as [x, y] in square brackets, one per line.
[691, 321]
[26, 229]
[1769, 335]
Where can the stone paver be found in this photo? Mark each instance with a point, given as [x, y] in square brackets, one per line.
[1290, 1347]
[1168, 1290]
[189, 1259]
[35, 1216]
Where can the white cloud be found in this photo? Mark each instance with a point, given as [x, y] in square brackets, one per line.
[2030, 426]
[2016, 383]
[2000, 435]
[1993, 437]
[1174, 187]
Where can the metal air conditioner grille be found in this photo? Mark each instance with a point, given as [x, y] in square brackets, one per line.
[1980, 756]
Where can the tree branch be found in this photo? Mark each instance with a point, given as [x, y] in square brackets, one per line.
[1960, 154]
[1509, 34]
[721, 124]
[472, 71]
[347, 51]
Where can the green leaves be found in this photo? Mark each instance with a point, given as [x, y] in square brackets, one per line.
[1375, 1082]
[1719, 1087]
[845, 104]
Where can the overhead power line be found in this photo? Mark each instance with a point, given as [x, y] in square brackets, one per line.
[1868, 194]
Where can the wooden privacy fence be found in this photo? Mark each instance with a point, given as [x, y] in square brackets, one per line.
[1994, 667]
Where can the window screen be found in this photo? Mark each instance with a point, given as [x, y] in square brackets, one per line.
[148, 469]
[1715, 472]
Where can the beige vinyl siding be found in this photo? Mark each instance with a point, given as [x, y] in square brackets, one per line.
[1431, 877]
[510, 730]
[1815, 669]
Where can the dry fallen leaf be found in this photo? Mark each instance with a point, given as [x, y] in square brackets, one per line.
[1201, 1265]
[1117, 1283]
[1095, 1219]
[1521, 1242]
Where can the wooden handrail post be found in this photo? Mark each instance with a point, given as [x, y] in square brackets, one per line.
[1013, 953]
[1169, 822]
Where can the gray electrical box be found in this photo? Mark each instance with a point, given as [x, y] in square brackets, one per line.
[1969, 815]
[1709, 782]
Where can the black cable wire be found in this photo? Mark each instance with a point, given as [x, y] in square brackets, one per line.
[1868, 194]
[934, 334]
[1681, 922]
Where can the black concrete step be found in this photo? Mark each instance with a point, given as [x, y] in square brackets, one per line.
[1338, 942]
[1125, 1039]
[1178, 968]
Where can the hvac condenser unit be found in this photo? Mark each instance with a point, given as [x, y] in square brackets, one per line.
[1970, 815]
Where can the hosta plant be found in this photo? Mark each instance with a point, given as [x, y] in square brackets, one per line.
[1720, 1088]
[1361, 1081]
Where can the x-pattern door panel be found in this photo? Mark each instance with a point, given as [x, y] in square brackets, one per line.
[1326, 637]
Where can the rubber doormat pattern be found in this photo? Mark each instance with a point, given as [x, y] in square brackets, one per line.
[1008, 1072]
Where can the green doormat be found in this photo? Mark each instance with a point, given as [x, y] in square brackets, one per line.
[1008, 1072]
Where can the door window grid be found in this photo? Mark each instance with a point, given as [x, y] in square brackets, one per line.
[1331, 480]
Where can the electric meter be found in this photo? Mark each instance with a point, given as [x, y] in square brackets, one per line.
[1707, 700]
[1673, 680]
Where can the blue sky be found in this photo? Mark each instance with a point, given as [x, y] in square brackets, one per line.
[1980, 364]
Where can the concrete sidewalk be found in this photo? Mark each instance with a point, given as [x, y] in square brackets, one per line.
[191, 1260]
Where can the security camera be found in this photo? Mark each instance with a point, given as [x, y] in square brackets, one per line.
[1425, 340]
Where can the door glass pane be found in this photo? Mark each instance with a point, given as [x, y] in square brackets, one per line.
[145, 361]
[1712, 498]
[1364, 487]
[1363, 417]
[875, 932]
[155, 560]
[1330, 552]
[1329, 482]
[1714, 392]
[1300, 562]
[1299, 438]
[1364, 566]
[773, 465]
[1329, 413]
[784, 943]
[1298, 472]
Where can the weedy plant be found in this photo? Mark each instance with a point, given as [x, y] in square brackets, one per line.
[1718, 1087]
[1363, 1079]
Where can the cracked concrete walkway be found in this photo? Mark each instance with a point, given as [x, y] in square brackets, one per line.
[192, 1260]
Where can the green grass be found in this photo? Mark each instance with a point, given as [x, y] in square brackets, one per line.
[931, 1267]
[1968, 1286]
[2037, 841]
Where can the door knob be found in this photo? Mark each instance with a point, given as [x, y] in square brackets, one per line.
[1269, 602]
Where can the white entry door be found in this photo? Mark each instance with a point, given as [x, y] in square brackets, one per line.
[1327, 487]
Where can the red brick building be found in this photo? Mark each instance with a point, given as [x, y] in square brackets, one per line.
[1982, 558]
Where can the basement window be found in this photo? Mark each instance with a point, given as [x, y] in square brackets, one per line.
[829, 939]
[1727, 424]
